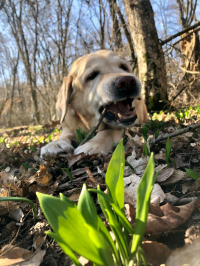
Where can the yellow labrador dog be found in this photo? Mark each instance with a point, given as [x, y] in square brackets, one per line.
[98, 80]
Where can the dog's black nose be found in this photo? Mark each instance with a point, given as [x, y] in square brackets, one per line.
[125, 83]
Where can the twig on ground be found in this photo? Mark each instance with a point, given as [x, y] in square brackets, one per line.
[95, 128]
[176, 133]
[189, 153]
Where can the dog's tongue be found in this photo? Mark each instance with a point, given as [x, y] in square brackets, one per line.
[120, 107]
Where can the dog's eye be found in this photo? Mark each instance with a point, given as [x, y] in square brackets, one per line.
[92, 76]
[124, 67]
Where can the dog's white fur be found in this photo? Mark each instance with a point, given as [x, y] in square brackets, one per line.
[79, 101]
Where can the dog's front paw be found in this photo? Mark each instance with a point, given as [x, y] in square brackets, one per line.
[55, 147]
[91, 147]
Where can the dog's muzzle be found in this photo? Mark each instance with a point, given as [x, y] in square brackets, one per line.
[121, 112]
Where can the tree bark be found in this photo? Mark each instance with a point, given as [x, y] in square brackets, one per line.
[150, 56]
[116, 27]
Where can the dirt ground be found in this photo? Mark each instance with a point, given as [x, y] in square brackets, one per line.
[26, 173]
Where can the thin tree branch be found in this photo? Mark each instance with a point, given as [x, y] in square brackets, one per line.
[180, 33]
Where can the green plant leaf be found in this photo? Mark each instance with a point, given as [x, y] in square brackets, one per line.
[114, 176]
[69, 174]
[79, 135]
[117, 230]
[143, 200]
[23, 200]
[72, 230]
[87, 208]
[105, 196]
[122, 218]
[144, 132]
[157, 133]
[145, 150]
[67, 201]
[168, 151]
[193, 174]
[108, 238]
[65, 248]
[33, 148]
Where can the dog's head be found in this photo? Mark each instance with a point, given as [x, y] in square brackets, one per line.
[103, 80]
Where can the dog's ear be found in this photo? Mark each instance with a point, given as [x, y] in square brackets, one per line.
[141, 110]
[64, 96]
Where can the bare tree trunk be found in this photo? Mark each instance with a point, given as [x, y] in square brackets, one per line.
[13, 87]
[15, 20]
[102, 24]
[150, 56]
[116, 27]
[190, 47]
[127, 33]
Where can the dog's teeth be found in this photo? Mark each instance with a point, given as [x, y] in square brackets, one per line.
[119, 115]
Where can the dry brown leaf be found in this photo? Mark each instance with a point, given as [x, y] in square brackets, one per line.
[173, 217]
[130, 213]
[42, 176]
[175, 177]
[195, 186]
[16, 256]
[37, 188]
[188, 255]
[156, 253]
[157, 194]
[164, 174]
[191, 234]
[72, 159]
[93, 182]
[160, 157]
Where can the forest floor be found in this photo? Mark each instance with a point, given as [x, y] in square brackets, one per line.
[23, 173]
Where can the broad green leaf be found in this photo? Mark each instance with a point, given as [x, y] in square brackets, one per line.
[193, 174]
[87, 208]
[168, 151]
[72, 230]
[114, 176]
[65, 248]
[143, 200]
[68, 201]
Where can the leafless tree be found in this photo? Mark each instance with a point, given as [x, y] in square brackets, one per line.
[150, 56]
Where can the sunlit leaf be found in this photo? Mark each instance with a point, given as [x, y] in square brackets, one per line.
[87, 208]
[143, 200]
[114, 176]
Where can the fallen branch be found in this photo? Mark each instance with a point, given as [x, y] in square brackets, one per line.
[95, 128]
[176, 133]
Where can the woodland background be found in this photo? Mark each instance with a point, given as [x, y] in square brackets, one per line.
[39, 40]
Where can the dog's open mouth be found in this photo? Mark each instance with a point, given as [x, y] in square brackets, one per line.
[121, 112]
